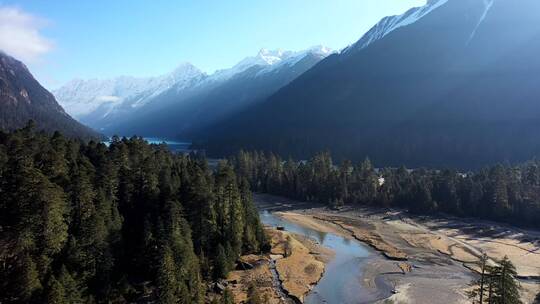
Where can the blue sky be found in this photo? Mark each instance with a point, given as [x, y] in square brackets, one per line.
[65, 39]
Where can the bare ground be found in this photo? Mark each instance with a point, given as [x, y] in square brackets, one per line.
[440, 252]
[299, 269]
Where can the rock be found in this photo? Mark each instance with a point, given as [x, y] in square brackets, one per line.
[276, 256]
[280, 228]
[218, 287]
[405, 267]
[242, 265]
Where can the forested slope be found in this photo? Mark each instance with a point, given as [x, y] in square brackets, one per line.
[87, 223]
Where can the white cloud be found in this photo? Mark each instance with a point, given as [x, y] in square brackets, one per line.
[20, 34]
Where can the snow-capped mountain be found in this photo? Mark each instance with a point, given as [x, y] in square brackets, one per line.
[391, 23]
[269, 60]
[292, 58]
[108, 105]
[82, 97]
[264, 58]
[454, 83]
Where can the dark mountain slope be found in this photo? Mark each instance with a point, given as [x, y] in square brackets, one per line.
[22, 99]
[458, 87]
[184, 114]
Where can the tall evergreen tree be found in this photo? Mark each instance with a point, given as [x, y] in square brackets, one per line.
[507, 291]
[221, 263]
[168, 286]
[27, 282]
[479, 287]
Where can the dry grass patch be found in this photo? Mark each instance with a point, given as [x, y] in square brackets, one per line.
[299, 270]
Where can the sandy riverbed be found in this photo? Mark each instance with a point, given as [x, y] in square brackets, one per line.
[436, 250]
[299, 262]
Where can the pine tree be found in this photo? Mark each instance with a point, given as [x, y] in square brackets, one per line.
[28, 283]
[236, 222]
[492, 285]
[497, 284]
[187, 263]
[53, 227]
[87, 225]
[205, 266]
[72, 289]
[167, 284]
[199, 204]
[254, 235]
[507, 286]
[479, 286]
[221, 263]
[421, 196]
[55, 292]
[501, 204]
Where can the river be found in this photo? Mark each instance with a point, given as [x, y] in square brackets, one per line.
[341, 282]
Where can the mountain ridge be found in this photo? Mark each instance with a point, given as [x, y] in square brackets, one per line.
[391, 23]
[22, 98]
[109, 106]
[425, 94]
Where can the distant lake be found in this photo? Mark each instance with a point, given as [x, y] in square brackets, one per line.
[173, 145]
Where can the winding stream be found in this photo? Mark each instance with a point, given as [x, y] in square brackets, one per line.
[341, 281]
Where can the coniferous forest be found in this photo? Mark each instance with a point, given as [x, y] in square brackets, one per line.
[128, 222]
[502, 192]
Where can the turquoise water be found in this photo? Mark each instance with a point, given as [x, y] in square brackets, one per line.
[341, 282]
[156, 140]
[175, 146]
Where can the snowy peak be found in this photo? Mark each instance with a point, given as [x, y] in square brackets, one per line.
[271, 60]
[320, 50]
[271, 57]
[391, 23]
[81, 97]
[263, 59]
[96, 100]
[184, 71]
[276, 57]
[292, 58]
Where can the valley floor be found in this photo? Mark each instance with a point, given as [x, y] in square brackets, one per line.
[285, 275]
[428, 259]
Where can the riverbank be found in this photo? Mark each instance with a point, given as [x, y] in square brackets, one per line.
[298, 262]
[435, 256]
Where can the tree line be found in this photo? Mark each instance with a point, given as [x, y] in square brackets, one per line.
[128, 222]
[501, 192]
